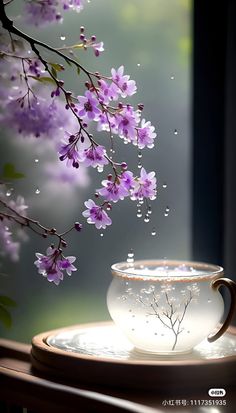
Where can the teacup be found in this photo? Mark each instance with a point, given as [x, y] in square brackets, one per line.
[168, 307]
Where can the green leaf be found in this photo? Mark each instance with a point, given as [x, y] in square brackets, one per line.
[57, 67]
[67, 61]
[54, 72]
[43, 79]
[5, 317]
[7, 301]
[9, 172]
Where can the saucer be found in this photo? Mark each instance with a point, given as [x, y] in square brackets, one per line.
[99, 353]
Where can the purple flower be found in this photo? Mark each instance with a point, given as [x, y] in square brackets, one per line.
[121, 83]
[127, 123]
[113, 191]
[95, 156]
[87, 107]
[145, 186]
[105, 94]
[98, 48]
[127, 180]
[146, 135]
[70, 152]
[96, 215]
[53, 264]
[42, 12]
[66, 264]
[42, 118]
[76, 5]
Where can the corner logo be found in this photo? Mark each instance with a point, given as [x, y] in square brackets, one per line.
[217, 392]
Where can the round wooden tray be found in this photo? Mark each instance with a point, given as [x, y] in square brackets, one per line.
[99, 355]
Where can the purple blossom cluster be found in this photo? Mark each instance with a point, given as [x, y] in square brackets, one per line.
[32, 103]
[125, 185]
[42, 12]
[54, 264]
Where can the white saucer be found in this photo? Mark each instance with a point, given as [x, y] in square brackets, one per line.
[106, 341]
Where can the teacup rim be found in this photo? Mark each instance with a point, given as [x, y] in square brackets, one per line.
[212, 271]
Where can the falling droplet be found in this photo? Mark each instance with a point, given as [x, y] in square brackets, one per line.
[141, 201]
[37, 191]
[172, 77]
[139, 213]
[164, 185]
[8, 193]
[101, 235]
[146, 219]
[36, 160]
[153, 232]
[140, 155]
[140, 165]
[130, 258]
[167, 209]
[149, 211]
[63, 37]
[131, 253]
[138, 64]
[100, 169]
[175, 132]
[126, 141]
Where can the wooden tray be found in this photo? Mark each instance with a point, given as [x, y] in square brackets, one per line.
[98, 354]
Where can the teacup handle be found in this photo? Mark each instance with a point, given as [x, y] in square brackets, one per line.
[231, 285]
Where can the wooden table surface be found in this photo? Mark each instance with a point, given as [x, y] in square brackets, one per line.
[21, 385]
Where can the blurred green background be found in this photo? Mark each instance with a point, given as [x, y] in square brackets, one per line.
[153, 41]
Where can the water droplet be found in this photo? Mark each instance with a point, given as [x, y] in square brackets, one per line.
[8, 193]
[146, 219]
[175, 132]
[164, 185]
[167, 209]
[100, 169]
[126, 141]
[37, 191]
[138, 64]
[141, 201]
[139, 213]
[36, 160]
[166, 214]
[209, 301]
[140, 165]
[101, 235]
[130, 258]
[63, 37]
[131, 253]
[172, 77]
[149, 211]
[153, 232]
[140, 155]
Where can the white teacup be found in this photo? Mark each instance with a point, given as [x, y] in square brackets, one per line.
[168, 307]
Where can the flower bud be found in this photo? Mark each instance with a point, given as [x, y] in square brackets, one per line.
[78, 226]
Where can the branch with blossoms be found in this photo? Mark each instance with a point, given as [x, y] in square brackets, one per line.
[54, 263]
[40, 105]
